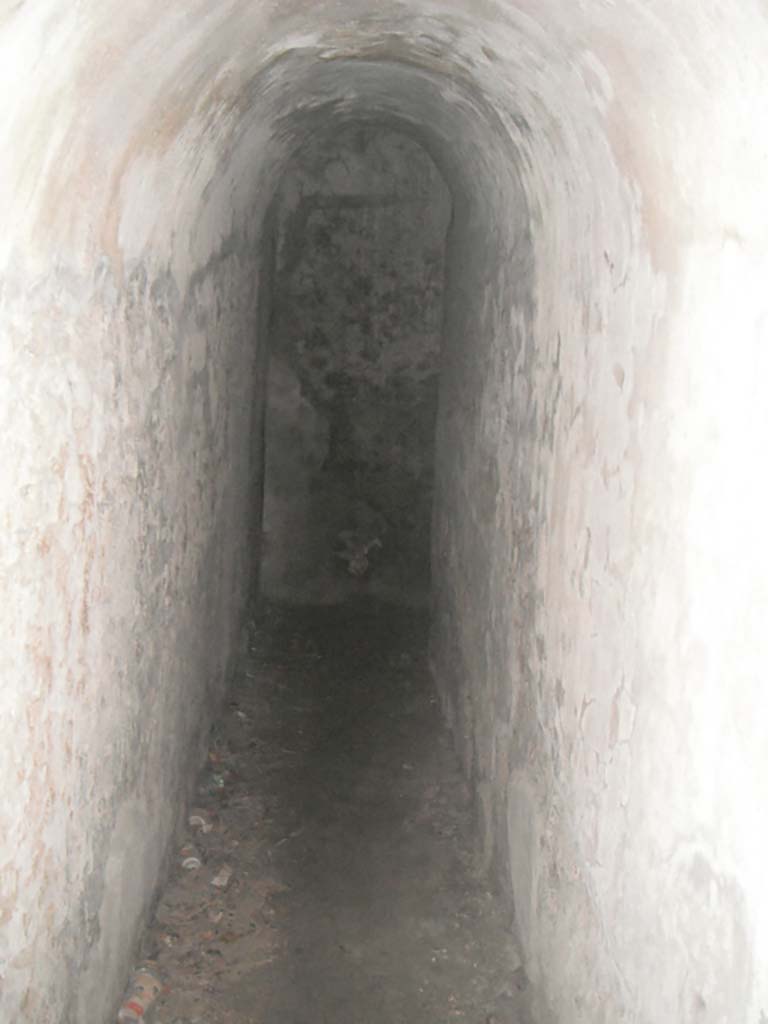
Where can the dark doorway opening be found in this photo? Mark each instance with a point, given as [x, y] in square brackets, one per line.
[360, 224]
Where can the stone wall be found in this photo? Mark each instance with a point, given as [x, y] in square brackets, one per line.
[128, 622]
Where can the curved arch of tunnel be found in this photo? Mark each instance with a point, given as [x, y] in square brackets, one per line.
[218, 217]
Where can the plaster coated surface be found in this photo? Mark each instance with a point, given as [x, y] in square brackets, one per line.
[598, 538]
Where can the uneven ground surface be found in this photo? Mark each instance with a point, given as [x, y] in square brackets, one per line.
[333, 795]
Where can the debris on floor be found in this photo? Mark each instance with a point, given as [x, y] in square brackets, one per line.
[222, 878]
[145, 986]
[200, 820]
[190, 857]
[333, 877]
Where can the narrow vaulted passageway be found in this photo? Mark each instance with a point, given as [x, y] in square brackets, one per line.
[598, 553]
[334, 797]
[333, 811]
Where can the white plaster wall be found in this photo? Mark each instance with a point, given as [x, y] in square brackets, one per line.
[598, 632]
[128, 370]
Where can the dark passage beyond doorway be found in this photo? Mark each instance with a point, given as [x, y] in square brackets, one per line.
[355, 324]
[336, 800]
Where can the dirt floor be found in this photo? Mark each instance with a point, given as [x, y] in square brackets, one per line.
[333, 798]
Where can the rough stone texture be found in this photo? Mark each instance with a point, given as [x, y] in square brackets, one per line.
[599, 538]
[357, 310]
[126, 544]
